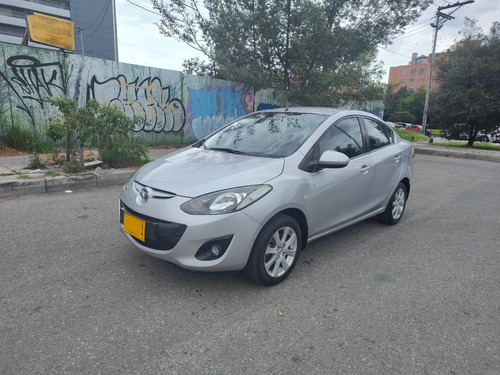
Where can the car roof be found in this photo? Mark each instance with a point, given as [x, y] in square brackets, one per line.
[318, 110]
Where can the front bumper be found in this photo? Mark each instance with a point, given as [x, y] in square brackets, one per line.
[176, 237]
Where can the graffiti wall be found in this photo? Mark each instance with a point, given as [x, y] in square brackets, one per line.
[169, 101]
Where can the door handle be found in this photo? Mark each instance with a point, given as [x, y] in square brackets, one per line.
[365, 168]
[397, 159]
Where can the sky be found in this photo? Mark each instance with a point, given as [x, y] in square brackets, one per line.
[140, 42]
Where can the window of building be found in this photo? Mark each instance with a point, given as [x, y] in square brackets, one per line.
[412, 79]
[421, 71]
[402, 80]
[403, 72]
[420, 79]
[414, 72]
[411, 88]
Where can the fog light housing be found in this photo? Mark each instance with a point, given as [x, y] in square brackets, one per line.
[214, 249]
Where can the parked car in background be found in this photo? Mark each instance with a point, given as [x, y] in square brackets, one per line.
[251, 195]
[418, 128]
[495, 135]
[414, 128]
[481, 136]
[401, 125]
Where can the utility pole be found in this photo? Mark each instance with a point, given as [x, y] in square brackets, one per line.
[438, 25]
[80, 29]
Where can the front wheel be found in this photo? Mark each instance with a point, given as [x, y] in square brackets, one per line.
[275, 251]
[396, 206]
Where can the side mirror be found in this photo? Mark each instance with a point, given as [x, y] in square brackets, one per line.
[333, 159]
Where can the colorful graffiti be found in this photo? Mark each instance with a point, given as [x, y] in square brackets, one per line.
[33, 82]
[212, 107]
[170, 102]
[148, 99]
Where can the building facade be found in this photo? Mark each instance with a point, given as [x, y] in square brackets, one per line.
[414, 75]
[95, 23]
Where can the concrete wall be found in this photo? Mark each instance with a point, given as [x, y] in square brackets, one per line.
[171, 102]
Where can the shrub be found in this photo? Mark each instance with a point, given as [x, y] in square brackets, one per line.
[23, 140]
[122, 155]
[403, 116]
[36, 162]
[20, 139]
[73, 165]
[107, 127]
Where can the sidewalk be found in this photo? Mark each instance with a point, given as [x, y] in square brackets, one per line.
[17, 181]
[455, 152]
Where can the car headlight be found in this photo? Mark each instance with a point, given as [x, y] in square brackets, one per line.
[225, 201]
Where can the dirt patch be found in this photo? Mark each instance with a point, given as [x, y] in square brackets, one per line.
[9, 151]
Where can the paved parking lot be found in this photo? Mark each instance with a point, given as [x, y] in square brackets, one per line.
[417, 298]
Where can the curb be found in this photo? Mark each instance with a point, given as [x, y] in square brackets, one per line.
[86, 180]
[429, 150]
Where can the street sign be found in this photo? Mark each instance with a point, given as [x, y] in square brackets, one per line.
[53, 31]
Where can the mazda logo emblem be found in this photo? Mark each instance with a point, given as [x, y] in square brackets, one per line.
[144, 195]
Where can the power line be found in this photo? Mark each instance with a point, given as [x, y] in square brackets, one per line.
[397, 53]
[102, 19]
[146, 9]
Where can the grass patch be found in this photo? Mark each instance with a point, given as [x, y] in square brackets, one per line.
[412, 136]
[23, 177]
[476, 145]
[8, 174]
[52, 174]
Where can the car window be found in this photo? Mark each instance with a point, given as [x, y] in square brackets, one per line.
[345, 137]
[272, 134]
[379, 134]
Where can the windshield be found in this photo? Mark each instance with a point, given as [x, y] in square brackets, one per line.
[273, 134]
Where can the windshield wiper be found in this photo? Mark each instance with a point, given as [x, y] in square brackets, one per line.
[226, 149]
[200, 143]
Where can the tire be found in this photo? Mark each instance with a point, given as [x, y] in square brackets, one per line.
[396, 206]
[275, 251]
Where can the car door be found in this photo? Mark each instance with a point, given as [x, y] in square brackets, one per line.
[341, 195]
[386, 159]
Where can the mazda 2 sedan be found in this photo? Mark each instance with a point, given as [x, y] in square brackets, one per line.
[251, 195]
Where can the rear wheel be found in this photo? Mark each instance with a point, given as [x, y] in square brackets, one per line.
[275, 251]
[396, 206]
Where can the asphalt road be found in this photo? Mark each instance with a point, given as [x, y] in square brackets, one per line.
[421, 297]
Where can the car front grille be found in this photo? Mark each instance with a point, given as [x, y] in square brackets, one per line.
[160, 235]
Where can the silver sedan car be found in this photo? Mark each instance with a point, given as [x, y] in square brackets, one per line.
[251, 195]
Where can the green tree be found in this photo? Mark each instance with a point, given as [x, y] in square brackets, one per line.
[469, 77]
[403, 116]
[404, 100]
[394, 101]
[414, 103]
[309, 48]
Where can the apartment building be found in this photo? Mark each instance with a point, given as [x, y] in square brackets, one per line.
[95, 23]
[413, 75]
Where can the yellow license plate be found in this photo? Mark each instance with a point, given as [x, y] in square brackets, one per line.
[134, 226]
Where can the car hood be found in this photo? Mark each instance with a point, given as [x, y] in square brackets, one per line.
[195, 171]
